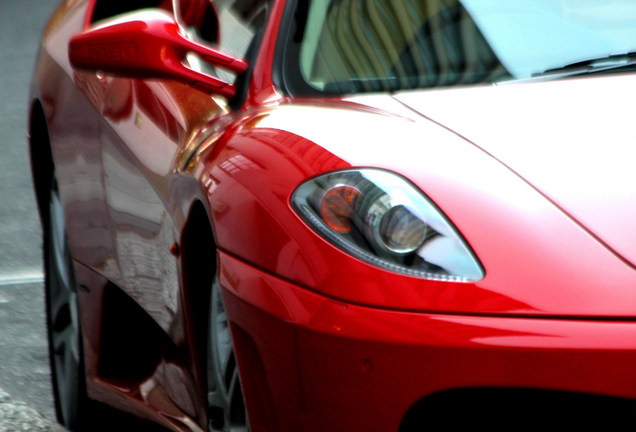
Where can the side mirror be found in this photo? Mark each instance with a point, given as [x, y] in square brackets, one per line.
[149, 45]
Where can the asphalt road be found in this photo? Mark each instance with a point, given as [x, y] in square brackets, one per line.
[25, 390]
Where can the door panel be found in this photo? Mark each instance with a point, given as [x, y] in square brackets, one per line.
[72, 101]
[143, 231]
[139, 151]
[145, 129]
[140, 145]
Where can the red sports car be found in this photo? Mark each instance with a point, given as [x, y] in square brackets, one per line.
[339, 215]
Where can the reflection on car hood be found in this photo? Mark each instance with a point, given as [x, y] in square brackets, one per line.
[573, 140]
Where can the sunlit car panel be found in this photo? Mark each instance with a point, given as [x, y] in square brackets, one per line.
[580, 157]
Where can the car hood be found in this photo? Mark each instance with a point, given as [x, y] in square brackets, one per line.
[573, 140]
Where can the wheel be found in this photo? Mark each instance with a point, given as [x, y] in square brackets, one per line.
[226, 405]
[63, 321]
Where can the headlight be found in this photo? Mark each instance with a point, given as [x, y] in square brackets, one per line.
[382, 219]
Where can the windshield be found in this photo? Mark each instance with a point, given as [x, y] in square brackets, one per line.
[351, 46]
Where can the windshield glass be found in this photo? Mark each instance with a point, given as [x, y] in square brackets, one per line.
[350, 46]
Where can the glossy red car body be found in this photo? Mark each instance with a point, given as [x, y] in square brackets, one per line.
[325, 341]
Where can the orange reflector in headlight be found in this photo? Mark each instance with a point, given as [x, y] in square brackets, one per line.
[336, 207]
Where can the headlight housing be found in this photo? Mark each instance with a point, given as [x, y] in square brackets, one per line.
[382, 219]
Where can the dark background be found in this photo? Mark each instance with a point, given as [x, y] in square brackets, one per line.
[24, 369]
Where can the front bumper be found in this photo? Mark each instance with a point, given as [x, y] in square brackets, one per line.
[311, 363]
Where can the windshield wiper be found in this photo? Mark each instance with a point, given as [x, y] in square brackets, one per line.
[595, 65]
[590, 66]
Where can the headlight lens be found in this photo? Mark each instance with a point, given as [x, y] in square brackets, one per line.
[382, 219]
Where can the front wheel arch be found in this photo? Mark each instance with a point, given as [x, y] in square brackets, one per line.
[198, 269]
[41, 158]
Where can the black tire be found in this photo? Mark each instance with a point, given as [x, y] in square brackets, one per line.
[226, 405]
[64, 331]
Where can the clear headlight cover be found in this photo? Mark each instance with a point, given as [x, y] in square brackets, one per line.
[382, 219]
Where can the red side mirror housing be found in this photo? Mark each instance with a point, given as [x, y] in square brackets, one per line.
[149, 45]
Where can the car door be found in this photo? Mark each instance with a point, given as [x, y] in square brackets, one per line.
[148, 128]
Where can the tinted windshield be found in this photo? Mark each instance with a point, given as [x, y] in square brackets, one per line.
[349, 46]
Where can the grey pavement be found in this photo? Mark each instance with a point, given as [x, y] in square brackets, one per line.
[21, 24]
[25, 390]
[24, 367]
[18, 416]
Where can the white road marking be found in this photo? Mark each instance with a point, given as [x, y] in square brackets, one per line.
[21, 279]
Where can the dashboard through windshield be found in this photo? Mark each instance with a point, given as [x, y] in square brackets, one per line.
[354, 46]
